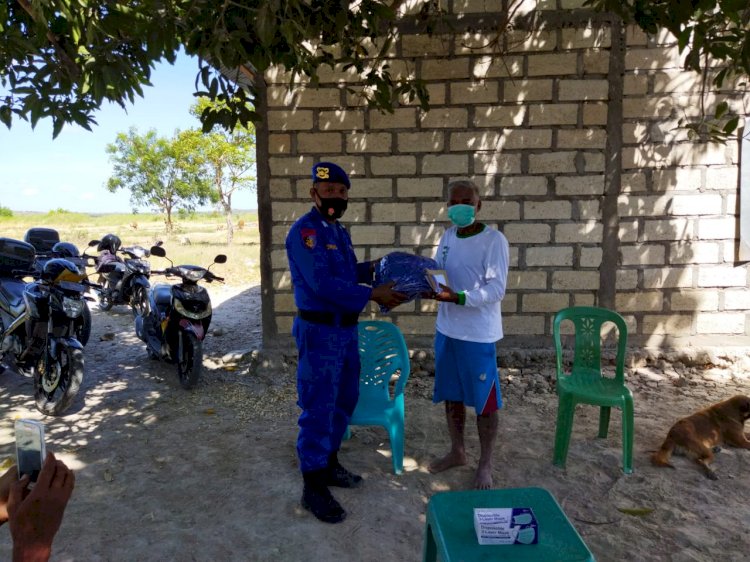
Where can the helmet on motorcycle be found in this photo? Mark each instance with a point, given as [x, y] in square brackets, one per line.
[59, 269]
[110, 242]
[66, 250]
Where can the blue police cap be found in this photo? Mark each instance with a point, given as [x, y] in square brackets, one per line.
[328, 171]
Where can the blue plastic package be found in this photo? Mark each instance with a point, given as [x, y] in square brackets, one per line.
[408, 272]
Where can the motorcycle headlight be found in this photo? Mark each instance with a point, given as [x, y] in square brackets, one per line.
[72, 308]
[140, 266]
[192, 273]
[195, 313]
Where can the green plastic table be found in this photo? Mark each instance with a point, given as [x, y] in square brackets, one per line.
[449, 530]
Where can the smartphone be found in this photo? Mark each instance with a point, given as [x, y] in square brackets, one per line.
[30, 450]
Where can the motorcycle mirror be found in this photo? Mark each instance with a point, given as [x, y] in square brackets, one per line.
[158, 251]
[160, 242]
[94, 243]
[221, 258]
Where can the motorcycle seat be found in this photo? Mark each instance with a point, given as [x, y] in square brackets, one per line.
[162, 294]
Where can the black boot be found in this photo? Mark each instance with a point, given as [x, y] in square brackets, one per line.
[318, 499]
[339, 476]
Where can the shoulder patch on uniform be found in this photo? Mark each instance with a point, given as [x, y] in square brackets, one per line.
[309, 237]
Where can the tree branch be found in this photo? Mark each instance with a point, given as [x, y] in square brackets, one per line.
[62, 53]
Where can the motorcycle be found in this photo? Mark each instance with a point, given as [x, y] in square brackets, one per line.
[47, 244]
[38, 320]
[124, 281]
[178, 318]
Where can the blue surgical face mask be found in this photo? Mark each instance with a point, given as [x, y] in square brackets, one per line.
[461, 215]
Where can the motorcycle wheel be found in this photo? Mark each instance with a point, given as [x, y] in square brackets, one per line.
[83, 327]
[189, 365]
[57, 383]
[105, 302]
[139, 301]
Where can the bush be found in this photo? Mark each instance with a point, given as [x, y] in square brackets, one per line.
[5, 212]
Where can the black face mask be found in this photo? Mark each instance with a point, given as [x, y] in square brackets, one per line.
[332, 207]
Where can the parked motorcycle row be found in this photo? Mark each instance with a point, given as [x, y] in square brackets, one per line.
[45, 321]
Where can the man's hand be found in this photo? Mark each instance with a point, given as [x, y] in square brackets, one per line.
[35, 516]
[446, 294]
[384, 295]
[6, 481]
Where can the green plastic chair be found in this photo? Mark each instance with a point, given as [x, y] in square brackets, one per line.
[586, 384]
[384, 356]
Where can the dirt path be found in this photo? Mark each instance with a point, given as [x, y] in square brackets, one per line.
[165, 474]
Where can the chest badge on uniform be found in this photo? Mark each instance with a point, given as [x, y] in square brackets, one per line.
[331, 247]
[309, 237]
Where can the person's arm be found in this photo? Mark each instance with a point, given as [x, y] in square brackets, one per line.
[495, 279]
[35, 516]
[496, 276]
[313, 265]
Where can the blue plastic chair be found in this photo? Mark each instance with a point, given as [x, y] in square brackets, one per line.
[585, 383]
[384, 356]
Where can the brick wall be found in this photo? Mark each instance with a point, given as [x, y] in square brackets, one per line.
[571, 137]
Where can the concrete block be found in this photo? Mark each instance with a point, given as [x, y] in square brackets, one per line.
[419, 187]
[579, 185]
[527, 233]
[585, 232]
[430, 141]
[369, 142]
[457, 164]
[552, 163]
[469, 93]
[523, 185]
[499, 115]
[445, 118]
[553, 114]
[547, 256]
[584, 90]
[314, 143]
[393, 165]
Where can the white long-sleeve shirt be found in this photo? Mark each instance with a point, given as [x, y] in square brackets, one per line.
[478, 266]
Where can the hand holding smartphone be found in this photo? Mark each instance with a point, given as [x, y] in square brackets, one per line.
[30, 450]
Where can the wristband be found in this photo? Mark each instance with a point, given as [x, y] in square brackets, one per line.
[461, 298]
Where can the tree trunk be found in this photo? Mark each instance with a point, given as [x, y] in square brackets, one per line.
[230, 226]
[168, 219]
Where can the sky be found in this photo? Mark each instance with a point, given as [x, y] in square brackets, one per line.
[71, 171]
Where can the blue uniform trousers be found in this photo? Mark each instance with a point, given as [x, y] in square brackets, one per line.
[327, 388]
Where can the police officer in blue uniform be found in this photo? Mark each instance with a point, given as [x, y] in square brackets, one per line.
[329, 298]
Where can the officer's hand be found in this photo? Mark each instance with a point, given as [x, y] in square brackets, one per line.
[384, 295]
[446, 294]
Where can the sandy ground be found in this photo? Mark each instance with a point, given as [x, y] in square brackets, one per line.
[167, 474]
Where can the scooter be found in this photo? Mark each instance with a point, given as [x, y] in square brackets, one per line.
[124, 281]
[178, 318]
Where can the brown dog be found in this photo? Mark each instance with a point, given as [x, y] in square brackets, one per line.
[697, 435]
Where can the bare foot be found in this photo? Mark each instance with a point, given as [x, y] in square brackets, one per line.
[483, 479]
[448, 461]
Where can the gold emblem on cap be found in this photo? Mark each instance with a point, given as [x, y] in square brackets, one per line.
[322, 173]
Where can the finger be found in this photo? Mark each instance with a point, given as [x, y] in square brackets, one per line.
[11, 475]
[69, 479]
[16, 492]
[48, 471]
[58, 480]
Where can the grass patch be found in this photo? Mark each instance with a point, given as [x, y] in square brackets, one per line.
[197, 238]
